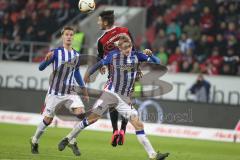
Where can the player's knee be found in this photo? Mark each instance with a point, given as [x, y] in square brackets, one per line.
[93, 118]
[78, 111]
[138, 125]
[47, 120]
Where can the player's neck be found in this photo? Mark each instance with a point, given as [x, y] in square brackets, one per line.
[67, 47]
[109, 27]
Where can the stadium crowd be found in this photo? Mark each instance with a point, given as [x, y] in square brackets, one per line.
[202, 38]
[34, 20]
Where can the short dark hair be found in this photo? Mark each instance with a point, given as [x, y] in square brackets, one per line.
[108, 16]
[67, 28]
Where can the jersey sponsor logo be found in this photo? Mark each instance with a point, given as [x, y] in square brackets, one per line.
[127, 67]
[109, 47]
[69, 64]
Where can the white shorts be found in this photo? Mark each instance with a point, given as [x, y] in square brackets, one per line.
[110, 99]
[54, 101]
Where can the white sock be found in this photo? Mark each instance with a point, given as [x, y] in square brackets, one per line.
[142, 138]
[72, 141]
[40, 129]
[77, 129]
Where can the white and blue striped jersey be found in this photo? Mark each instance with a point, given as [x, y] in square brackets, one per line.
[65, 71]
[123, 70]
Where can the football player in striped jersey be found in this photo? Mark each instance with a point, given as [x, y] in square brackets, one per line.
[123, 70]
[65, 62]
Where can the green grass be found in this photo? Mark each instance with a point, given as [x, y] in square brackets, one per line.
[14, 144]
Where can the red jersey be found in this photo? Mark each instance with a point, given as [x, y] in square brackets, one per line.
[106, 41]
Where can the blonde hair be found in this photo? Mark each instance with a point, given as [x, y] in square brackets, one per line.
[123, 39]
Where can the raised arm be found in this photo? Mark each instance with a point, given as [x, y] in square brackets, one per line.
[48, 60]
[147, 57]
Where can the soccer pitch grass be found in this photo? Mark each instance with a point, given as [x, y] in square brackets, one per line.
[14, 144]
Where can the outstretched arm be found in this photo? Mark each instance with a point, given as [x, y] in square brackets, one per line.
[94, 68]
[153, 59]
[99, 64]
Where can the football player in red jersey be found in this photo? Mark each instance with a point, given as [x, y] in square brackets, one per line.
[105, 45]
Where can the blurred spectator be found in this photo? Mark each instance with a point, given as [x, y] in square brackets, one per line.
[185, 43]
[187, 61]
[186, 67]
[195, 68]
[30, 7]
[3, 6]
[197, 5]
[172, 43]
[173, 27]
[23, 23]
[220, 15]
[201, 89]
[192, 30]
[194, 12]
[176, 57]
[162, 55]
[231, 30]
[184, 16]
[159, 24]
[221, 44]
[232, 12]
[32, 28]
[232, 43]
[78, 40]
[173, 67]
[221, 29]
[203, 49]
[62, 13]
[7, 27]
[207, 21]
[47, 25]
[215, 60]
[160, 40]
[230, 62]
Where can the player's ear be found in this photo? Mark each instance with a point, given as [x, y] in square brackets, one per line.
[105, 23]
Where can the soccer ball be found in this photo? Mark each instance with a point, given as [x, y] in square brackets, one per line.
[86, 6]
